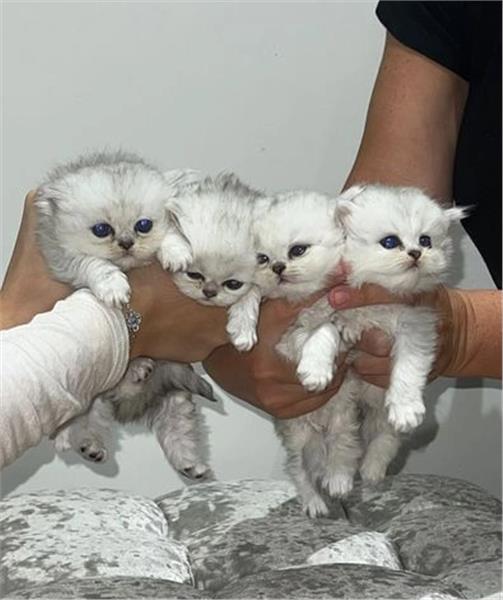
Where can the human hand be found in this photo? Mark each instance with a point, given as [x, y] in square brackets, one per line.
[457, 328]
[261, 376]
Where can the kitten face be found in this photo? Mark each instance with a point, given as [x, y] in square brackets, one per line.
[216, 280]
[396, 237]
[111, 211]
[216, 218]
[298, 243]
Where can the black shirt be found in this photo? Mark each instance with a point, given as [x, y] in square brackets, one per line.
[465, 37]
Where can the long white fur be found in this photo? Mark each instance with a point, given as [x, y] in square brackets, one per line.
[368, 214]
[210, 233]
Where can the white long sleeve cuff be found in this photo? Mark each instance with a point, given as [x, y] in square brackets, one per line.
[54, 366]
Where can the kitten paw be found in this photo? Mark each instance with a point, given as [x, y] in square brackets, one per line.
[337, 484]
[93, 451]
[314, 375]
[405, 415]
[315, 507]
[197, 471]
[114, 290]
[244, 340]
[372, 472]
[174, 258]
[141, 369]
[61, 441]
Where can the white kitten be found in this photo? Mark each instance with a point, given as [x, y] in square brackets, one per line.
[299, 242]
[157, 392]
[100, 216]
[209, 249]
[398, 238]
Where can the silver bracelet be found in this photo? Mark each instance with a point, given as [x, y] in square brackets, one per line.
[133, 320]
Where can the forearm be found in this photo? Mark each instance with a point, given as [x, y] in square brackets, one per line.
[54, 366]
[412, 124]
[476, 333]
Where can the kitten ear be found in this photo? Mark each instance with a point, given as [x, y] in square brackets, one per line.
[456, 213]
[45, 201]
[352, 192]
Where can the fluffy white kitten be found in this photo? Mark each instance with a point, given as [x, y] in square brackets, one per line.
[398, 238]
[100, 216]
[299, 241]
[157, 392]
[209, 249]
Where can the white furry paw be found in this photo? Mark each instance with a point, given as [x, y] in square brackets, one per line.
[372, 471]
[315, 507]
[93, 450]
[405, 415]
[62, 440]
[197, 471]
[337, 484]
[174, 257]
[114, 290]
[243, 340]
[141, 369]
[314, 375]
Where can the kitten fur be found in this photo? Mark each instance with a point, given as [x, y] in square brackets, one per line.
[299, 240]
[368, 214]
[209, 249]
[159, 393]
[115, 188]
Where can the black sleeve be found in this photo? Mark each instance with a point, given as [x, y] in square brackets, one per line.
[435, 29]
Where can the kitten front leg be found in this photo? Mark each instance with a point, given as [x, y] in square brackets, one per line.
[317, 362]
[179, 434]
[105, 280]
[413, 353]
[242, 320]
[175, 253]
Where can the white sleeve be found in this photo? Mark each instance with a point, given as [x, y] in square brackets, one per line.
[54, 366]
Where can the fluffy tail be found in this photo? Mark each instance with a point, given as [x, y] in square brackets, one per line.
[181, 376]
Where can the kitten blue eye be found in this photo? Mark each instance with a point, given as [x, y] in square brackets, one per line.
[390, 242]
[297, 250]
[102, 230]
[143, 226]
[194, 275]
[233, 284]
[425, 241]
[262, 259]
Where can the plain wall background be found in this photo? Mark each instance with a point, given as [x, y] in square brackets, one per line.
[277, 92]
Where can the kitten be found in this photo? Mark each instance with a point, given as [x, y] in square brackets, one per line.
[157, 392]
[209, 249]
[101, 216]
[398, 238]
[299, 241]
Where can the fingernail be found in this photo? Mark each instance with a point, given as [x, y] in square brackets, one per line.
[338, 297]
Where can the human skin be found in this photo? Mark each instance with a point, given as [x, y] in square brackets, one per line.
[409, 139]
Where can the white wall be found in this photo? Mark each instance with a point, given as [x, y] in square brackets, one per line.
[276, 92]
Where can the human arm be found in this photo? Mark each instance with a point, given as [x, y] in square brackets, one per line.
[469, 332]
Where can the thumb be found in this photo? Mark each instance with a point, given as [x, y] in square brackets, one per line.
[342, 296]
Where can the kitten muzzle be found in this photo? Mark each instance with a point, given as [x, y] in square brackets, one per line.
[125, 242]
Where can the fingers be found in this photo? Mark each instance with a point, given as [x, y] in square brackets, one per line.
[342, 297]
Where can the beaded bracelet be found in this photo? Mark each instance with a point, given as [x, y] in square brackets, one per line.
[133, 320]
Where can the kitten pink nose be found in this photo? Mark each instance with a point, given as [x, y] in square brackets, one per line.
[125, 243]
[414, 253]
[209, 293]
[278, 267]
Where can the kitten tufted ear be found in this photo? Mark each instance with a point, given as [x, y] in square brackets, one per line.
[45, 201]
[456, 213]
[352, 192]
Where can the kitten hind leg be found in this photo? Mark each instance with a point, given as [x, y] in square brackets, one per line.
[294, 434]
[343, 445]
[178, 431]
[87, 434]
[382, 442]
